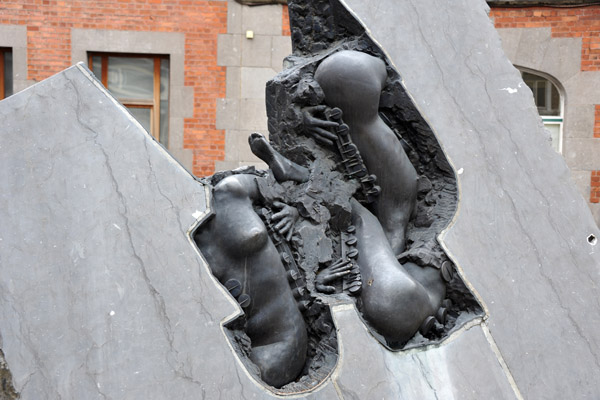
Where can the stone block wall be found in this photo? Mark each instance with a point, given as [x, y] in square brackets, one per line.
[580, 22]
[252, 52]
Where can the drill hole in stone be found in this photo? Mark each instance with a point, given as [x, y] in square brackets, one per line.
[592, 239]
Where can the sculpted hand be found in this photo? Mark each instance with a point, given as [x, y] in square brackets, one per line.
[284, 220]
[318, 128]
[332, 273]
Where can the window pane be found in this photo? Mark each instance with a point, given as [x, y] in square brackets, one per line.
[164, 123]
[545, 94]
[131, 78]
[554, 130]
[97, 66]
[143, 115]
[164, 79]
[555, 99]
[164, 102]
[8, 73]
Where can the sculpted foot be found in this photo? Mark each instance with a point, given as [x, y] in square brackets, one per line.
[283, 169]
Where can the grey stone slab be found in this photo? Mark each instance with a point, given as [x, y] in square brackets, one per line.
[520, 235]
[233, 82]
[582, 181]
[563, 58]
[535, 48]
[464, 367]
[263, 20]
[281, 47]
[229, 52]
[234, 17]
[510, 38]
[582, 153]
[533, 45]
[595, 207]
[253, 115]
[579, 121]
[256, 52]
[253, 81]
[185, 157]
[181, 101]
[580, 85]
[102, 293]
[236, 145]
[241, 114]
[175, 132]
[228, 111]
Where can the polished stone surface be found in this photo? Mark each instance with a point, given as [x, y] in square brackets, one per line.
[102, 294]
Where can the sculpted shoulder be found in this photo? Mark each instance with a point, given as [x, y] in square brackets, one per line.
[232, 186]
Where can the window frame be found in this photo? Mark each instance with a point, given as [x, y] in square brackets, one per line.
[3, 50]
[153, 105]
[551, 119]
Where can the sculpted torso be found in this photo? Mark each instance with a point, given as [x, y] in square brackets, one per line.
[237, 246]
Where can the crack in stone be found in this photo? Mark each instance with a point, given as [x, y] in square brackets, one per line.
[492, 172]
[425, 375]
[91, 375]
[157, 297]
[175, 209]
[237, 372]
[538, 255]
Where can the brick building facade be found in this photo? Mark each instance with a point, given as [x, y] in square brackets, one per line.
[43, 37]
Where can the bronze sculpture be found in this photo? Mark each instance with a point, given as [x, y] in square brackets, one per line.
[356, 191]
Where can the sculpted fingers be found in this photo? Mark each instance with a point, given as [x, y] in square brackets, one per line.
[281, 215]
[324, 288]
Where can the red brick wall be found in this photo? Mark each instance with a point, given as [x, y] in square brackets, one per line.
[583, 22]
[595, 181]
[597, 122]
[285, 23]
[49, 24]
[595, 191]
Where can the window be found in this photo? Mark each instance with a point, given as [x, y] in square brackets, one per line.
[6, 72]
[549, 103]
[141, 83]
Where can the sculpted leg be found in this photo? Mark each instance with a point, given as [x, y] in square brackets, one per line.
[393, 302]
[279, 362]
[353, 82]
[283, 169]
